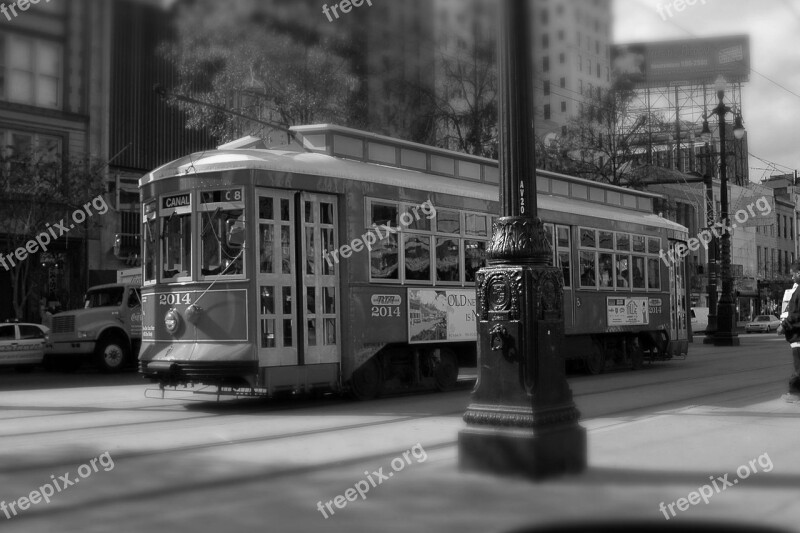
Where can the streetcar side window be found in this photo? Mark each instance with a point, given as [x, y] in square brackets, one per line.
[417, 252]
[428, 245]
[476, 225]
[448, 260]
[383, 214]
[383, 259]
[474, 258]
[588, 268]
[623, 262]
[448, 221]
[653, 273]
[619, 270]
[563, 253]
[638, 272]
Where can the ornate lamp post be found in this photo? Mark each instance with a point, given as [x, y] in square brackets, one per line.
[521, 419]
[725, 334]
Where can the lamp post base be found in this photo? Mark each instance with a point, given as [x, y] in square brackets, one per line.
[726, 338]
[711, 329]
[534, 453]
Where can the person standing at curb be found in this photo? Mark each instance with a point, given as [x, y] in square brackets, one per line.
[790, 322]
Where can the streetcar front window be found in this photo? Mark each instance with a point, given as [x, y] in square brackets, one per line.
[221, 223]
[221, 253]
[176, 238]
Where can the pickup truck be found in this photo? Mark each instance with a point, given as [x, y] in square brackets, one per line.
[108, 330]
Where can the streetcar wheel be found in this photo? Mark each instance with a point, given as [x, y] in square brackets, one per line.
[446, 373]
[366, 382]
[595, 362]
[637, 358]
[111, 354]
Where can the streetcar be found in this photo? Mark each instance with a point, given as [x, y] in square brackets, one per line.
[349, 264]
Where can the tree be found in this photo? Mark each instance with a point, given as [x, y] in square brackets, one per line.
[605, 141]
[39, 195]
[464, 102]
[264, 59]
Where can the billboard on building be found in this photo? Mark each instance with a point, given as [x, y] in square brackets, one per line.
[683, 62]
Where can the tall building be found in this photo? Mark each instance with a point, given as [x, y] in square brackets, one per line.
[393, 59]
[571, 51]
[572, 58]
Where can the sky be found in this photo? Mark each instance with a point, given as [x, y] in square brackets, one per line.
[771, 113]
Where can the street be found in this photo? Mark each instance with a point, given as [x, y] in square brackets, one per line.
[187, 463]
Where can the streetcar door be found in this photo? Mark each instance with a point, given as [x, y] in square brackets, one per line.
[320, 302]
[275, 249]
[677, 297]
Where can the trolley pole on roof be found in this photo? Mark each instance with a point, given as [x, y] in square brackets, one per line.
[521, 419]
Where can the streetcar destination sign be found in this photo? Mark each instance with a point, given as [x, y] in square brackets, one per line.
[224, 195]
[176, 201]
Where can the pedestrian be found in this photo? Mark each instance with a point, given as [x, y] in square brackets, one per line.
[790, 322]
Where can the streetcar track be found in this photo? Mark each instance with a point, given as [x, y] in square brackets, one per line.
[248, 440]
[268, 438]
[295, 406]
[269, 473]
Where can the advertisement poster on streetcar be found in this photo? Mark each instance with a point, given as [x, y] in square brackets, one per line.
[630, 311]
[441, 315]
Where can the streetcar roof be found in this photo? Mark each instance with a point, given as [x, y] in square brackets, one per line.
[318, 164]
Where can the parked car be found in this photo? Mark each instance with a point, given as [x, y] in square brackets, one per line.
[22, 345]
[763, 323]
[699, 317]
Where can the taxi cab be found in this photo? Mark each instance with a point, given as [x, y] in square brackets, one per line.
[22, 345]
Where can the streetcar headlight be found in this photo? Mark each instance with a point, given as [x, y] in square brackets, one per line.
[172, 321]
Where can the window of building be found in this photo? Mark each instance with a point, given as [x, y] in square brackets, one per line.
[45, 148]
[580, 63]
[546, 87]
[30, 71]
[560, 33]
[545, 40]
[563, 106]
[562, 58]
[545, 64]
[598, 69]
[547, 111]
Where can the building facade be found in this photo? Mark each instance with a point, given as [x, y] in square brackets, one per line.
[77, 84]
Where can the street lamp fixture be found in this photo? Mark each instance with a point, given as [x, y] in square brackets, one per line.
[725, 334]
